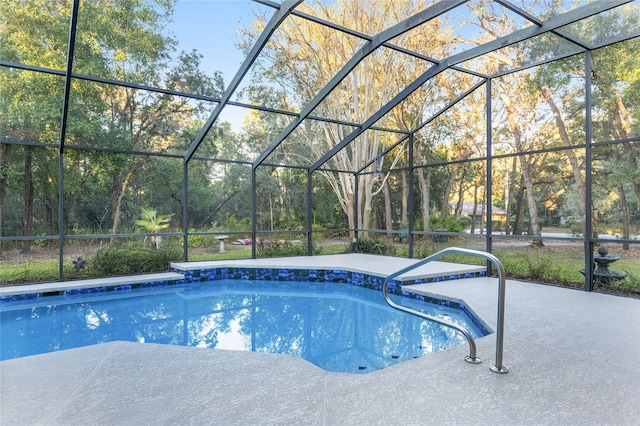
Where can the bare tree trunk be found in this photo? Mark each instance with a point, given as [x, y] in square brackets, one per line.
[6, 151]
[623, 131]
[71, 209]
[573, 161]
[404, 219]
[444, 207]
[476, 187]
[425, 187]
[461, 188]
[71, 202]
[527, 176]
[117, 195]
[519, 221]
[365, 204]
[28, 199]
[622, 121]
[48, 209]
[509, 188]
[630, 155]
[283, 208]
[388, 218]
[205, 221]
[626, 232]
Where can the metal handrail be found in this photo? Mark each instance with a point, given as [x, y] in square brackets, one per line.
[471, 358]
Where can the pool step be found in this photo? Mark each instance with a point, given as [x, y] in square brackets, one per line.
[466, 294]
[435, 288]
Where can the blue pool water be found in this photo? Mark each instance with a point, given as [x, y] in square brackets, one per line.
[338, 327]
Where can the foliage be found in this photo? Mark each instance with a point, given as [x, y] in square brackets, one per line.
[576, 229]
[436, 221]
[562, 267]
[18, 273]
[374, 246]
[199, 241]
[285, 249]
[232, 223]
[131, 258]
[124, 41]
[454, 224]
[631, 283]
[425, 250]
[541, 265]
[498, 225]
[296, 79]
[151, 222]
[449, 223]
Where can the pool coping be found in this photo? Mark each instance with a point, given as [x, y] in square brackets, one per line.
[370, 264]
[96, 283]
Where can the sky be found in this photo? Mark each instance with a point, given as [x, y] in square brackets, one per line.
[211, 27]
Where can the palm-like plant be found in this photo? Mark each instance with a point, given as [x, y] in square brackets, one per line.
[153, 223]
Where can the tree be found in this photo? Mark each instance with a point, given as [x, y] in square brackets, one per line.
[520, 106]
[6, 152]
[153, 223]
[614, 77]
[27, 106]
[122, 40]
[616, 81]
[302, 57]
[520, 139]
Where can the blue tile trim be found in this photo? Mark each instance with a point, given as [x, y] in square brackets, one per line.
[18, 297]
[304, 275]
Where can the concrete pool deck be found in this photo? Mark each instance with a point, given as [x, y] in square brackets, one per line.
[573, 359]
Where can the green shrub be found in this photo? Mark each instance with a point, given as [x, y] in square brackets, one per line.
[374, 246]
[231, 223]
[436, 221]
[131, 258]
[420, 252]
[630, 284]
[539, 265]
[198, 241]
[498, 225]
[465, 221]
[285, 249]
[576, 229]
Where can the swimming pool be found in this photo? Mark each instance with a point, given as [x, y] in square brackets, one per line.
[336, 326]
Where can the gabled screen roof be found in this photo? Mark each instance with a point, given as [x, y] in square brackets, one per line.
[292, 70]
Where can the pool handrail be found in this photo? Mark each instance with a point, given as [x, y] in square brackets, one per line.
[471, 358]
